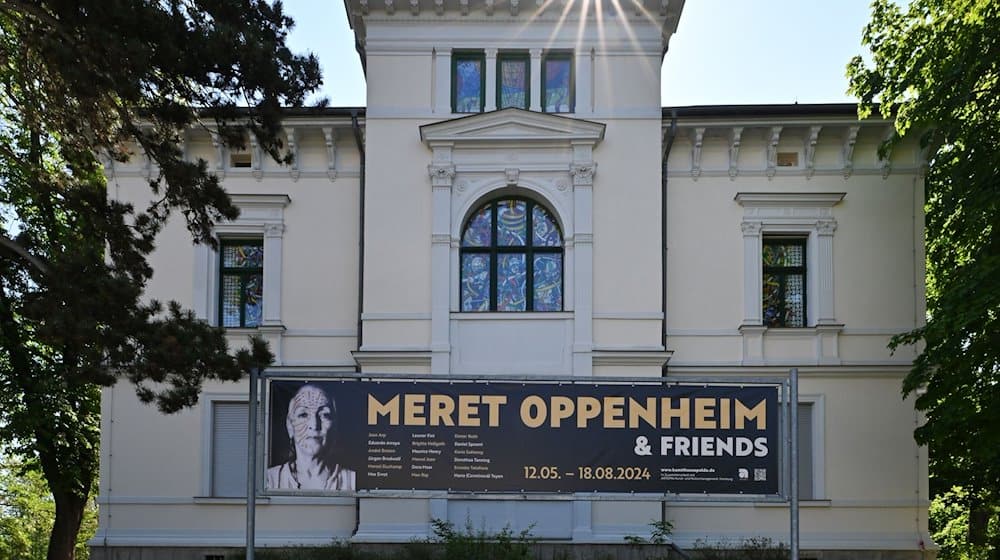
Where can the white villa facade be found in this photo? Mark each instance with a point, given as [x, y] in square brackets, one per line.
[669, 220]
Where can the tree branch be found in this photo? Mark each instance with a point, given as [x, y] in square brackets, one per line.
[16, 248]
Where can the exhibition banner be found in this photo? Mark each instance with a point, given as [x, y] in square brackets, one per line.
[347, 434]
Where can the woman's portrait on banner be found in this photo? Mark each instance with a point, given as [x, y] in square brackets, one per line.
[303, 430]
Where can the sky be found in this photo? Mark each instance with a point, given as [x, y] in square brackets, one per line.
[724, 51]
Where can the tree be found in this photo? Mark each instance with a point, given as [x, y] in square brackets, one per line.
[936, 65]
[27, 511]
[82, 78]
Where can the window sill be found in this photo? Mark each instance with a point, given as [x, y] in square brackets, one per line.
[228, 500]
[511, 315]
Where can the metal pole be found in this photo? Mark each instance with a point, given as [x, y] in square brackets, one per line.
[794, 507]
[252, 465]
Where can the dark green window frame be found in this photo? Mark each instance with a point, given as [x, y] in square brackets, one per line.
[559, 55]
[783, 272]
[243, 273]
[529, 250]
[458, 57]
[524, 58]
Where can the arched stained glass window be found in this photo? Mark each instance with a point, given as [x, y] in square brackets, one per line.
[512, 258]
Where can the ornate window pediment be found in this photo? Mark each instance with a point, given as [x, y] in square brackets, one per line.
[513, 125]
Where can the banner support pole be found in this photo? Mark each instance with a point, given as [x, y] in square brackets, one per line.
[252, 466]
[794, 460]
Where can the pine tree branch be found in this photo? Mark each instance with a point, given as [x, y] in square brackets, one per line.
[14, 247]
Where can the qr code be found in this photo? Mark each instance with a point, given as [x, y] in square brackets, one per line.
[760, 474]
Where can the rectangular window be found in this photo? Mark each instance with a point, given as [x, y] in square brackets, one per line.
[513, 80]
[241, 300]
[806, 451]
[784, 283]
[557, 83]
[229, 449]
[468, 82]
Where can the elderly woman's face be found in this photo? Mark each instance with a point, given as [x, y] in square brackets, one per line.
[309, 419]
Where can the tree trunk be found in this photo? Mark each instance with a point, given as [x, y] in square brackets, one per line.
[69, 516]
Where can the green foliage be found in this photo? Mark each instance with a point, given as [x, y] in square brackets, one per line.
[660, 531]
[936, 64]
[949, 523]
[469, 543]
[27, 512]
[113, 77]
[754, 548]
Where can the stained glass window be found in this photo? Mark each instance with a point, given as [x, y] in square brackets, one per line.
[512, 81]
[557, 83]
[784, 282]
[468, 82]
[511, 258]
[241, 301]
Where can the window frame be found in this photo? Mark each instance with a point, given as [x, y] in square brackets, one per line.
[493, 250]
[519, 56]
[243, 274]
[456, 58]
[558, 55]
[211, 444]
[784, 272]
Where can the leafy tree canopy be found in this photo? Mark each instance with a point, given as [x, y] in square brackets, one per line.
[80, 78]
[936, 63]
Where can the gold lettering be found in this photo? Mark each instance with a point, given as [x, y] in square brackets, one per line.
[637, 411]
[376, 409]
[724, 414]
[589, 407]
[493, 403]
[704, 411]
[467, 411]
[614, 412]
[441, 409]
[533, 411]
[413, 410]
[757, 414]
[667, 413]
[562, 408]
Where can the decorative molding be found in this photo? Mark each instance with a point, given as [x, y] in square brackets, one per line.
[220, 155]
[697, 138]
[293, 148]
[330, 139]
[489, 4]
[514, 5]
[772, 151]
[390, 7]
[800, 200]
[850, 138]
[415, 7]
[364, 6]
[811, 141]
[562, 185]
[512, 174]
[441, 175]
[885, 161]
[439, 7]
[255, 157]
[750, 227]
[734, 151]
[274, 230]
[826, 227]
[664, 4]
[607, 357]
[583, 174]
[464, 7]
